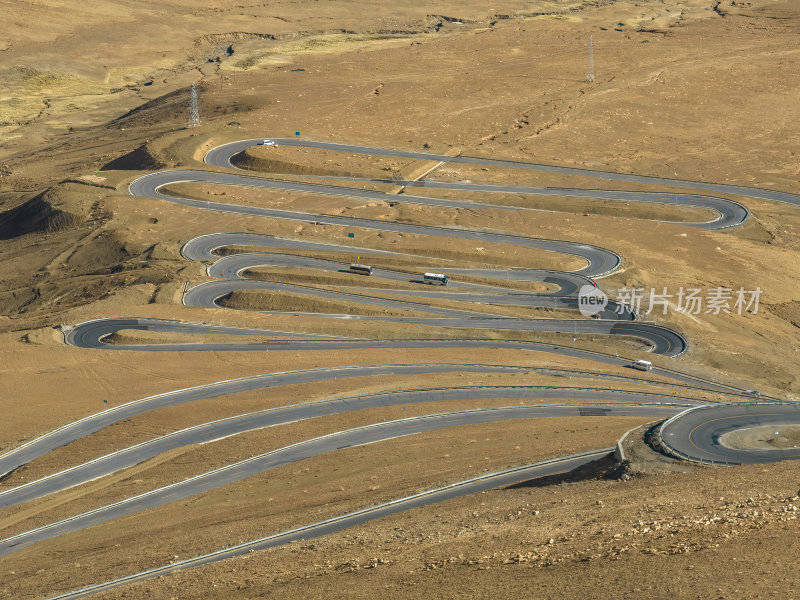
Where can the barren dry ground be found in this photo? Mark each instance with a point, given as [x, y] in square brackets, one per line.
[93, 96]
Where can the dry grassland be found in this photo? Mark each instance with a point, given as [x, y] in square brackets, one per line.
[92, 98]
[304, 276]
[304, 492]
[660, 536]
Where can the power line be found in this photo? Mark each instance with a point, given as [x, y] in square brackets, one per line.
[194, 111]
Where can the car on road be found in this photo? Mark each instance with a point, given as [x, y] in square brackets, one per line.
[642, 365]
[267, 143]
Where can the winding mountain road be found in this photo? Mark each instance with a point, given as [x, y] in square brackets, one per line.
[705, 419]
[729, 213]
[328, 526]
[313, 447]
[208, 432]
[697, 434]
[692, 431]
[600, 261]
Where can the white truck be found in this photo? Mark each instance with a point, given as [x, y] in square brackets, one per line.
[642, 365]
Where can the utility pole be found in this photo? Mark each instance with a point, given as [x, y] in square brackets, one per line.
[590, 76]
[194, 111]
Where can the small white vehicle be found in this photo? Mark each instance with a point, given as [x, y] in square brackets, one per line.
[642, 365]
[267, 143]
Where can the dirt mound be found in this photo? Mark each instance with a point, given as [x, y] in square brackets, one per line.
[44, 335]
[166, 108]
[171, 111]
[141, 159]
[315, 161]
[287, 302]
[788, 311]
[597, 469]
[60, 207]
[251, 161]
[766, 437]
[776, 9]
[37, 215]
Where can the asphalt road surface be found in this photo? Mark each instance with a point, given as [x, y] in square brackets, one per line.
[230, 270]
[208, 432]
[217, 157]
[91, 334]
[696, 430]
[313, 447]
[314, 530]
[696, 425]
[729, 213]
[231, 267]
[88, 425]
[204, 247]
[600, 261]
[695, 434]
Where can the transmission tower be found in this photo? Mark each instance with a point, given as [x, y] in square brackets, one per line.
[194, 111]
[590, 76]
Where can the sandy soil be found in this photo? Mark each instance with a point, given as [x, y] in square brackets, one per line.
[287, 275]
[485, 252]
[692, 89]
[332, 278]
[584, 539]
[763, 438]
[286, 160]
[306, 303]
[311, 490]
